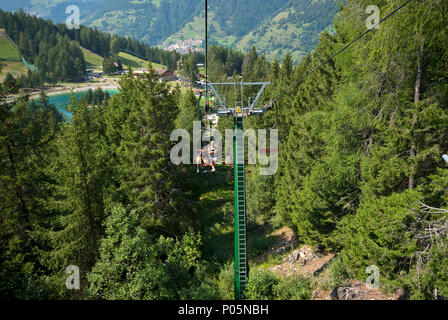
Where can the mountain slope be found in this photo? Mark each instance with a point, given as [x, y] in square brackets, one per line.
[10, 59]
[273, 26]
[296, 29]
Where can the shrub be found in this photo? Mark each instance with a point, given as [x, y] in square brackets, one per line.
[226, 283]
[261, 285]
[338, 274]
[294, 288]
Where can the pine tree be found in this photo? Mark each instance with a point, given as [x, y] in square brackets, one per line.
[26, 134]
[275, 70]
[80, 169]
[188, 112]
[286, 69]
[115, 46]
[144, 148]
[43, 99]
[10, 84]
[249, 62]
[380, 234]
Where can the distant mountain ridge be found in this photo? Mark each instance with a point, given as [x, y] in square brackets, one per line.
[272, 26]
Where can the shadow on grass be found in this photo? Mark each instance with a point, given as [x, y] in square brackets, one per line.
[219, 244]
[213, 195]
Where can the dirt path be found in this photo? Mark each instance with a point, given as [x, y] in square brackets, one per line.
[303, 261]
[306, 262]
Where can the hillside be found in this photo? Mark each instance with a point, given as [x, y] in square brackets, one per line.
[294, 27]
[355, 206]
[128, 60]
[274, 27]
[10, 61]
[55, 53]
[92, 59]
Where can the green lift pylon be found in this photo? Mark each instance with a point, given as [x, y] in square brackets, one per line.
[241, 263]
[241, 266]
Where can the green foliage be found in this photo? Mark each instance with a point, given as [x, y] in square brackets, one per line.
[96, 97]
[294, 288]
[261, 285]
[111, 65]
[144, 148]
[201, 290]
[265, 285]
[62, 60]
[261, 204]
[434, 277]
[80, 170]
[134, 267]
[258, 243]
[10, 85]
[226, 282]
[190, 68]
[338, 274]
[26, 135]
[115, 46]
[187, 112]
[380, 234]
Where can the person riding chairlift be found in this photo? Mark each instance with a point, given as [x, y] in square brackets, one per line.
[203, 160]
[212, 150]
[206, 157]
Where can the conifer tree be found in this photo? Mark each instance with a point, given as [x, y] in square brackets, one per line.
[144, 147]
[80, 169]
[188, 112]
[26, 134]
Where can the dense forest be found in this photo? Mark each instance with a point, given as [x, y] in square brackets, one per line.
[360, 174]
[56, 50]
[361, 147]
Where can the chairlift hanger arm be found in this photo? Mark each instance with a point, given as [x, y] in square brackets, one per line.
[253, 104]
[259, 95]
[216, 93]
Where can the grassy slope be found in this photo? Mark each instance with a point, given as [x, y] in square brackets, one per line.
[14, 68]
[92, 59]
[8, 52]
[129, 60]
[9, 58]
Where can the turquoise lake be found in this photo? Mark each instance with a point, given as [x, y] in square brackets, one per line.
[61, 100]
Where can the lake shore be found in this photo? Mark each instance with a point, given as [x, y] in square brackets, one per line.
[61, 89]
